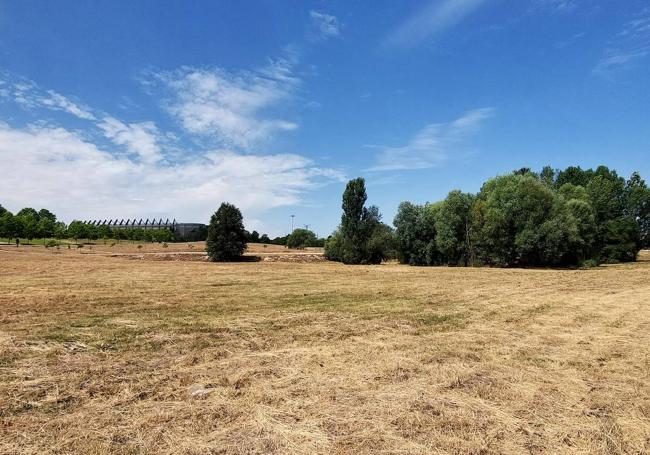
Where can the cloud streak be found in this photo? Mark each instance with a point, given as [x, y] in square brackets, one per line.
[433, 144]
[29, 95]
[431, 20]
[627, 47]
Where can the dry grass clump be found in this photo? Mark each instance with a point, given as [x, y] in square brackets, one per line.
[103, 354]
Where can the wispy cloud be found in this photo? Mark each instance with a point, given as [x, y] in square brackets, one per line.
[562, 6]
[628, 47]
[325, 25]
[433, 144]
[234, 108]
[29, 95]
[436, 17]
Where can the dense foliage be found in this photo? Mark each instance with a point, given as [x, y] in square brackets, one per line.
[361, 238]
[301, 238]
[226, 234]
[554, 218]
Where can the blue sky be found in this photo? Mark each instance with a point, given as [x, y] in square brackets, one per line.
[167, 108]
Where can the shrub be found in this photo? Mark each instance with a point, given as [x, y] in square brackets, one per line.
[301, 238]
[51, 244]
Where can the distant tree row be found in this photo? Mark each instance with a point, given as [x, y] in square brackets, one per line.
[553, 218]
[31, 224]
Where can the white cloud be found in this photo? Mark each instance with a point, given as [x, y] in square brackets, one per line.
[627, 47]
[433, 144]
[235, 108]
[60, 170]
[139, 138]
[326, 25]
[435, 18]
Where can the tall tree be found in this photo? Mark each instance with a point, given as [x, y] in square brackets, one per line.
[226, 234]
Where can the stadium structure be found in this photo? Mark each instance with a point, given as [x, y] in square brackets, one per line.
[184, 231]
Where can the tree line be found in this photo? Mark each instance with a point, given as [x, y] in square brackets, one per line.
[30, 224]
[557, 218]
[567, 217]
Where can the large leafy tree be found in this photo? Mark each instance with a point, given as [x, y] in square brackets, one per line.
[523, 222]
[226, 234]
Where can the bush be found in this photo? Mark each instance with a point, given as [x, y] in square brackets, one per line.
[301, 238]
[589, 263]
[51, 244]
[226, 234]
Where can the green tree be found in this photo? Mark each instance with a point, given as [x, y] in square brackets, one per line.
[30, 225]
[28, 211]
[520, 221]
[638, 206]
[547, 176]
[7, 225]
[618, 235]
[358, 224]
[226, 235]
[574, 175]
[453, 228]
[60, 230]
[415, 234]
[381, 245]
[77, 230]
[44, 213]
[301, 238]
[46, 227]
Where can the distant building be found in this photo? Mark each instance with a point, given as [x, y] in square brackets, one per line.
[182, 231]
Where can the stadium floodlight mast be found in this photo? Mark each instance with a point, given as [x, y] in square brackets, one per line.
[292, 216]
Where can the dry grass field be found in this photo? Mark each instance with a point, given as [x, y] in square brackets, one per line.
[105, 354]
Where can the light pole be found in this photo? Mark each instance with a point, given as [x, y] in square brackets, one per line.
[292, 222]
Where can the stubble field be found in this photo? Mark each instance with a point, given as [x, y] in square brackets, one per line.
[103, 353]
